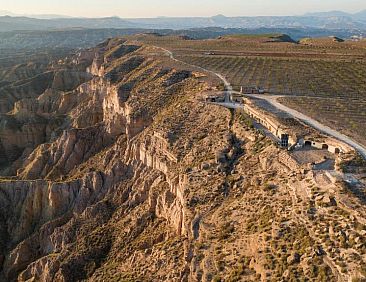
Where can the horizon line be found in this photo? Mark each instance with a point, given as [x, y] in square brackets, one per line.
[61, 16]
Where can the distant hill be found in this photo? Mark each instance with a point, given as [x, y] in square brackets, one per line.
[260, 37]
[361, 15]
[69, 38]
[83, 38]
[324, 20]
[328, 41]
[307, 21]
[329, 14]
[36, 16]
[336, 15]
[8, 23]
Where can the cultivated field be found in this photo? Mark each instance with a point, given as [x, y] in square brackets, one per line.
[345, 114]
[289, 76]
[324, 78]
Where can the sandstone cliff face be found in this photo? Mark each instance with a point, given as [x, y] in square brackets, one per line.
[139, 181]
[34, 209]
[105, 116]
[30, 115]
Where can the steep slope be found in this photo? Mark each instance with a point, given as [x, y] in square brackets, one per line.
[144, 182]
[125, 96]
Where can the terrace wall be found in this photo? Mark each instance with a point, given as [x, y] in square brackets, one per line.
[269, 122]
[329, 144]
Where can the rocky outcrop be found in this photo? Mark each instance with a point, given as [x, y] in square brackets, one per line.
[140, 181]
[42, 215]
[33, 211]
[72, 148]
[31, 114]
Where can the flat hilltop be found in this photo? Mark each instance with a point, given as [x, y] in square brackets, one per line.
[260, 38]
[321, 77]
[115, 165]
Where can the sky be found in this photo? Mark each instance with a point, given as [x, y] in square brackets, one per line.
[177, 8]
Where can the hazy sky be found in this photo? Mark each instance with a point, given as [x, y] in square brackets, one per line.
[153, 8]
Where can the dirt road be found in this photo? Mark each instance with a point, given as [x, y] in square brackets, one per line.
[312, 122]
[273, 101]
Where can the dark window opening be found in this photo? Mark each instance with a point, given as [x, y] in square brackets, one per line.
[307, 143]
[284, 140]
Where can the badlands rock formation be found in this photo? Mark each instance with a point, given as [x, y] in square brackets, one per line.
[112, 170]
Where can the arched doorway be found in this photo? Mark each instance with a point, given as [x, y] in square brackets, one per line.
[337, 151]
[325, 147]
[307, 143]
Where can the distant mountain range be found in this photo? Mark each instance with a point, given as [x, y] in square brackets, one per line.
[36, 16]
[83, 38]
[325, 20]
[360, 16]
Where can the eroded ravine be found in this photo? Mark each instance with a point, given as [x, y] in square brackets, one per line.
[142, 182]
[145, 162]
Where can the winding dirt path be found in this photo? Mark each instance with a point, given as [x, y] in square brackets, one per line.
[273, 101]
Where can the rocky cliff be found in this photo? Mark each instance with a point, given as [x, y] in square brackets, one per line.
[113, 170]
